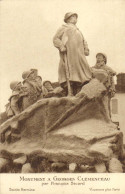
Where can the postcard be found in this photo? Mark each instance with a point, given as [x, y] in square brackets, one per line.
[62, 90]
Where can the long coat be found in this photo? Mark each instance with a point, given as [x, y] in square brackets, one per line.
[79, 70]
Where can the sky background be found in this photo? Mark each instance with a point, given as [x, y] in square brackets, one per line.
[27, 28]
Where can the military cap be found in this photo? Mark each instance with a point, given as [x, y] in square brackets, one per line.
[68, 15]
[104, 55]
[34, 70]
[26, 74]
[47, 81]
[13, 84]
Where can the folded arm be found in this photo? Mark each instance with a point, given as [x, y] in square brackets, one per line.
[57, 39]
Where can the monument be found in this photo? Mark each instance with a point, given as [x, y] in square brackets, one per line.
[70, 128]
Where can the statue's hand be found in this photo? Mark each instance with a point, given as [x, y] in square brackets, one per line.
[86, 51]
[63, 49]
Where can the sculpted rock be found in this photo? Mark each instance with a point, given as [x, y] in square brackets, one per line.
[67, 130]
[101, 148]
[115, 166]
[8, 136]
[4, 164]
[100, 168]
[86, 168]
[44, 166]
[72, 167]
[58, 166]
[26, 168]
[20, 160]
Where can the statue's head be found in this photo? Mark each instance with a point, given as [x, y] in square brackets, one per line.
[70, 18]
[48, 85]
[29, 74]
[101, 57]
[15, 85]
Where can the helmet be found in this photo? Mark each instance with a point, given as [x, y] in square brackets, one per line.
[13, 84]
[48, 85]
[34, 70]
[47, 81]
[68, 15]
[26, 74]
[104, 55]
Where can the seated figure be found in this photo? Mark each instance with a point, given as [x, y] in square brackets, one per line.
[106, 75]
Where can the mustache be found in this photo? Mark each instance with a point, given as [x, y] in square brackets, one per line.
[98, 61]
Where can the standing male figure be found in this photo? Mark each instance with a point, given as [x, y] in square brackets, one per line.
[70, 42]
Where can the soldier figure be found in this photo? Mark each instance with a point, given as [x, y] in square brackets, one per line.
[14, 105]
[49, 91]
[101, 60]
[73, 66]
[33, 85]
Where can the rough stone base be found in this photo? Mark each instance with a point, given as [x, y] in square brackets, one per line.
[75, 130]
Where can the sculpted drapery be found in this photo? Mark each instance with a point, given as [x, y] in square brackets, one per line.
[76, 49]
